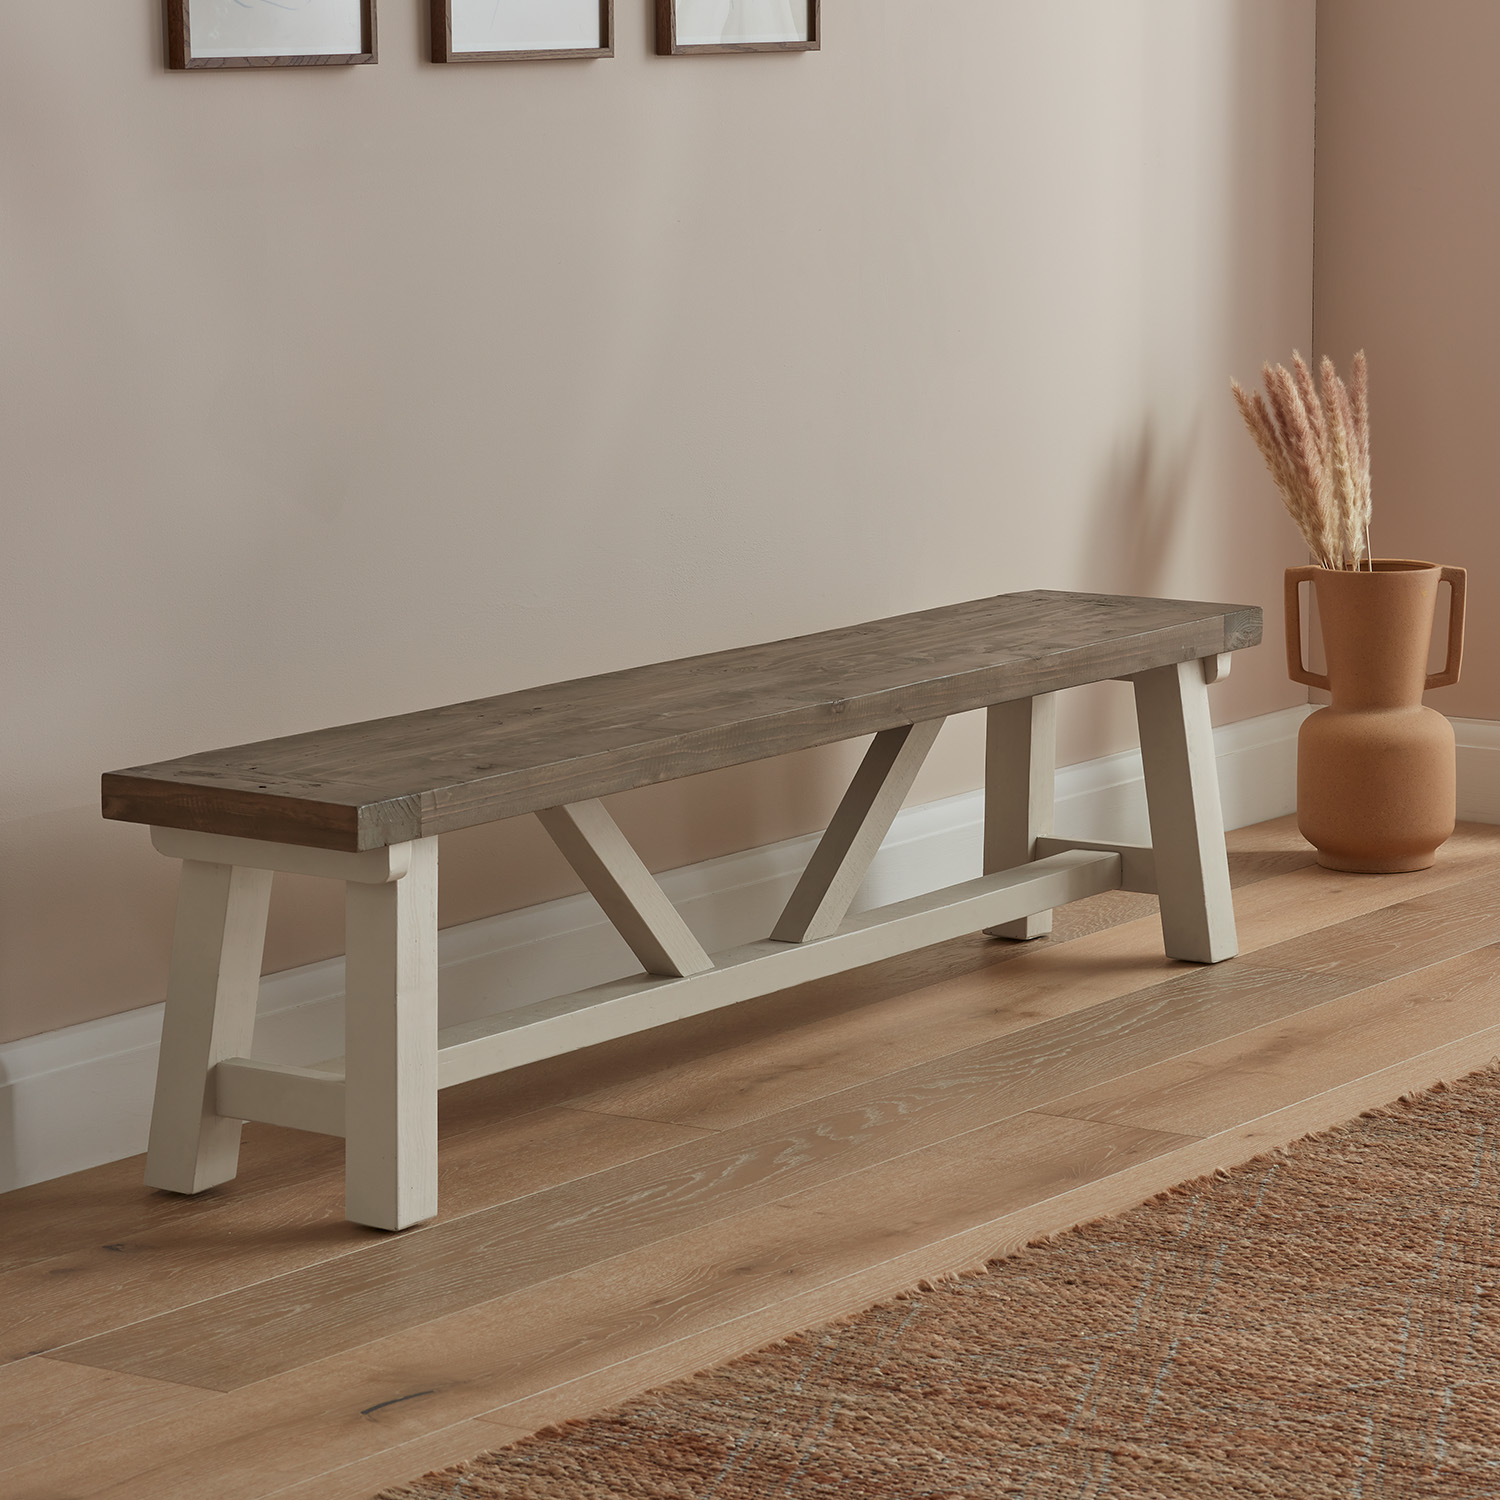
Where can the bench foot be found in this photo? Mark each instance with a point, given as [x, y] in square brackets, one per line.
[210, 1015]
[1020, 759]
[1187, 825]
[390, 1039]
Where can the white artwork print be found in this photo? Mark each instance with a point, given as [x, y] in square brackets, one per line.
[525, 25]
[706, 23]
[275, 28]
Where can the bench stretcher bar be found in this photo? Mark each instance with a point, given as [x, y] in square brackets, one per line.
[279, 1094]
[1137, 861]
[313, 1098]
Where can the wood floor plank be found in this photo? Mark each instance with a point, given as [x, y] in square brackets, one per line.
[767, 1242]
[403, 1463]
[754, 1078]
[428, 1378]
[107, 1203]
[185, 1458]
[654, 1300]
[110, 1202]
[329, 1408]
[812, 1052]
[1403, 936]
[397, 1368]
[1287, 906]
[357, 1302]
[1266, 849]
[706, 1070]
[278, 1325]
[971, 1249]
[1269, 1067]
[46, 1407]
[750, 1078]
[48, 1303]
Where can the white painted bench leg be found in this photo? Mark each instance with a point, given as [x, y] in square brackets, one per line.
[1020, 767]
[390, 1041]
[1187, 825]
[210, 1015]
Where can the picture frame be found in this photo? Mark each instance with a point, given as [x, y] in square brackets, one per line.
[211, 34]
[467, 30]
[685, 27]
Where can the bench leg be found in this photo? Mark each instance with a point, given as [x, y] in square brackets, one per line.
[390, 1046]
[210, 1015]
[1187, 826]
[1020, 764]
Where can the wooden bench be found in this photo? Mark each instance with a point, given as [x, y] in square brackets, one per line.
[365, 804]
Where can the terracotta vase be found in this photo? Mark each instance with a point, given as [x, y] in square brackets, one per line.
[1375, 769]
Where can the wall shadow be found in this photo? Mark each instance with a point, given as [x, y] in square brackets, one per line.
[1136, 521]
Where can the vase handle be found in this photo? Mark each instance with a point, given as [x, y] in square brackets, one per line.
[1295, 670]
[1457, 579]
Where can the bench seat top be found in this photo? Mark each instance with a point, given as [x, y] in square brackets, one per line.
[363, 786]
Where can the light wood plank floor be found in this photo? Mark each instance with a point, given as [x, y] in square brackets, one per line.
[624, 1216]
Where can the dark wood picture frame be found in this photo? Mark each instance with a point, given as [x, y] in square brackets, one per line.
[442, 40]
[667, 45]
[180, 46]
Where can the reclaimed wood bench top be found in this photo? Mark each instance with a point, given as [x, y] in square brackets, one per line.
[363, 786]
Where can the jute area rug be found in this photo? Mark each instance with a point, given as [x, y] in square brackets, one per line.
[1322, 1322]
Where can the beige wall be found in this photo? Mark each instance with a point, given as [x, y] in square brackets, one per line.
[334, 394]
[1408, 268]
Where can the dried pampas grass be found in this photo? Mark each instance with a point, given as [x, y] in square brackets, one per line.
[1318, 452]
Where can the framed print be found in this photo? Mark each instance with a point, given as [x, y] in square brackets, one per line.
[518, 30]
[736, 26]
[269, 33]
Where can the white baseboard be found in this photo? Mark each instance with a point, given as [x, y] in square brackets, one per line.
[80, 1096]
[1478, 769]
